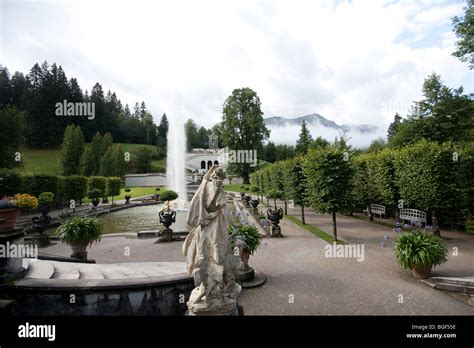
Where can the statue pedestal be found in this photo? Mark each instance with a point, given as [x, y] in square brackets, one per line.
[166, 235]
[40, 239]
[229, 307]
[275, 231]
[245, 275]
[11, 268]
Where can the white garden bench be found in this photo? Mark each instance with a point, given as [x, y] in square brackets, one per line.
[376, 209]
[412, 215]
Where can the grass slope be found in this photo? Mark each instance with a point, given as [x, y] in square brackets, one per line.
[46, 161]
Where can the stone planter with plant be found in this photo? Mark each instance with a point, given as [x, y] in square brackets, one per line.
[419, 252]
[10, 210]
[80, 232]
[246, 239]
[45, 201]
[40, 223]
[127, 196]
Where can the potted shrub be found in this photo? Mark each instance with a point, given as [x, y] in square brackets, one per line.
[10, 209]
[80, 232]
[45, 201]
[250, 235]
[168, 195]
[95, 195]
[419, 252]
[127, 196]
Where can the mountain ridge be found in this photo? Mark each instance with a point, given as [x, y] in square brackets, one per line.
[316, 119]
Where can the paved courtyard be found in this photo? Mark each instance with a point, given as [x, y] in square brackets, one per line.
[302, 281]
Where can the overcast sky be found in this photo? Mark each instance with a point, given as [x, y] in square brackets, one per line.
[350, 61]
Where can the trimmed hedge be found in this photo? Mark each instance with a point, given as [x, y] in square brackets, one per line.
[11, 182]
[37, 184]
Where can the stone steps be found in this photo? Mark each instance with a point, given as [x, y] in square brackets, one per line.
[90, 273]
[39, 270]
[65, 271]
[463, 288]
[48, 269]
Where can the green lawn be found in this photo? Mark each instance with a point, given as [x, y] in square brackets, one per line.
[234, 187]
[46, 161]
[313, 229]
[40, 161]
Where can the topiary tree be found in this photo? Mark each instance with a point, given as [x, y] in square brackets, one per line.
[278, 175]
[274, 194]
[424, 173]
[75, 187]
[256, 180]
[168, 195]
[99, 183]
[296, 184]
[329, 181]
[254, 189]
[114, 184]
[266, 182]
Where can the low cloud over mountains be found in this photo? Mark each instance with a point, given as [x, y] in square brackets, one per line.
[286, 130]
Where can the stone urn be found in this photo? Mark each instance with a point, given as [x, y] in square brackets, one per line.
[245, 273]
[167, 218]
[254, 202]
[274, 216]
[246, 199]
[40, 223]
[79, 251]
[421, 272]
[127, 198]
[95, 202]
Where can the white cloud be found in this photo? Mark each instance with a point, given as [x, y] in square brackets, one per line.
[343, 59]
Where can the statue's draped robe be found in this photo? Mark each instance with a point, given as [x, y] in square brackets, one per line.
[207, 244]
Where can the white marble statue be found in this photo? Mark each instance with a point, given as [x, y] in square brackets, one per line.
[207, 247]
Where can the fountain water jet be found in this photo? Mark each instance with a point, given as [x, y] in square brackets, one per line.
[176, 152]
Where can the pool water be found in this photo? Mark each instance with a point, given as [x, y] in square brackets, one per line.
[137, 219]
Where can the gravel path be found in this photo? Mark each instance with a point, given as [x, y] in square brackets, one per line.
[297, 269]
